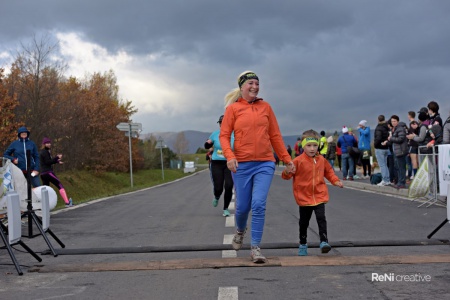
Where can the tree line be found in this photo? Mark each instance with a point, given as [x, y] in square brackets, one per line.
[78, 115]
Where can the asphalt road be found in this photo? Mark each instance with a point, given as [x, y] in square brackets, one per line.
[169, 242]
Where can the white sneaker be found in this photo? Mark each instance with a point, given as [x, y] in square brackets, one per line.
[381, 183]
[412, 177]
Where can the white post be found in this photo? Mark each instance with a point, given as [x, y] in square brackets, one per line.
[131, 160]
[160, 140]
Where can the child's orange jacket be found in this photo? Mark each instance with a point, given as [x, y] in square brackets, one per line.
[309, 185]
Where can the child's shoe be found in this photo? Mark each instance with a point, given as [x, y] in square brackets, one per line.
[325, 247]
[215, 202]
[303, 250]
[226, 213]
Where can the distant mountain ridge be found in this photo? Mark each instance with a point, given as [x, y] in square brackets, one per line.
[197, 139]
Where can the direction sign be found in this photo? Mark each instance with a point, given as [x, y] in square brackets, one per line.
[127, 127]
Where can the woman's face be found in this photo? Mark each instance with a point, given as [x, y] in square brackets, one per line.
[250, 89]
[414, 125]
[394, 122]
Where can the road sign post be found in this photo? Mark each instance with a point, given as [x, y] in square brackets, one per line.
[161, 146]
[131, 130]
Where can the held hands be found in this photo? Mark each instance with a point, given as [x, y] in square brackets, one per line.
[290, 168]
[15, 161]
[232, 165]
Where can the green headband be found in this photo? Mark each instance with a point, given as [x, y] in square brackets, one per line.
[309, 140]
[245, 77]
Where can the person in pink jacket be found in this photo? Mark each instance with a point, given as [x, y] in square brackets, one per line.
[252, 163]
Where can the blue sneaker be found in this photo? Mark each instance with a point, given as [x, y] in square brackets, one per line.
[325, 247]
[226, 213]
[215, 202]
[70, 204]
[303, 250]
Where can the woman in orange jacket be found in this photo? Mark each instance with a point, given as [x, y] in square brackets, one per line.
[310, 190]
[252, 163]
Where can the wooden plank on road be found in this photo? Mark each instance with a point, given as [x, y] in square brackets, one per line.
[213, 263]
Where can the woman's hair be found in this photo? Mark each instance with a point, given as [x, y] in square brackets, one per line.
[414, 122]
[395, 117]
[310, 133]
[235, 93]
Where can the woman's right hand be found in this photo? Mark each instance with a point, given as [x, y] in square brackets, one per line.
[232, 165]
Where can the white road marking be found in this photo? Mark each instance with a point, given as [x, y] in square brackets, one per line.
[228, 253]
[229, 221]
[227, 239]
[231, 206]
[228, 293]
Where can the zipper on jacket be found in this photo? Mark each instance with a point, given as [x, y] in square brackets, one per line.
[25, 152]
[314, 180]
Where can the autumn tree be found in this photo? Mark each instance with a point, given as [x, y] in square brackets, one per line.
[8, 123]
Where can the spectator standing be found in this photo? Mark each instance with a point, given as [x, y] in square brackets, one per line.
[346, 140]
[356, 157]
[399, 144]
[331, 151]
[252, 162]
[413, 147]
[289, 150]
[446, 132]
[17, 154]
[297, 147]
[409, 162]
[433, 112]
[339, 156]
[364, 147]
[323, 144]
[382, 151]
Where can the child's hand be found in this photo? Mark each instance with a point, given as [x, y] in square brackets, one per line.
[339, 184]
[290, 168]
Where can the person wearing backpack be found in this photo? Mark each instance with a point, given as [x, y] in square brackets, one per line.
[346, 140]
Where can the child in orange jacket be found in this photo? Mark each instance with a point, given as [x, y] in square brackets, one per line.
[310, 190]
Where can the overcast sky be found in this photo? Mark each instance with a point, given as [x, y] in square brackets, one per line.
[321, 64]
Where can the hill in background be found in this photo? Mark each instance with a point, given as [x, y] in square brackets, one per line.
[197, 139]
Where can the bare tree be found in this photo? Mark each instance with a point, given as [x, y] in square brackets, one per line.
[181, 144]
[36, 74]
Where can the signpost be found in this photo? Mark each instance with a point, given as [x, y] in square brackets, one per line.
[131, 130]
[160, 147]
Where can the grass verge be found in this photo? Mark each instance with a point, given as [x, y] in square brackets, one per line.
[83, 186]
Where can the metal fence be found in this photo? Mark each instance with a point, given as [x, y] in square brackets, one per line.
[432, 155]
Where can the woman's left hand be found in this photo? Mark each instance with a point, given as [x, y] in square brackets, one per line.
[232, 164]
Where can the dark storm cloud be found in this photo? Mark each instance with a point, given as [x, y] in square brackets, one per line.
[322, 64]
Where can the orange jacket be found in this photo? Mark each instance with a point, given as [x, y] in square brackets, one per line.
[309, 184]
[255, 132]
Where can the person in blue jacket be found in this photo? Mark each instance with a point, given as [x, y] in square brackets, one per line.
[365, 148]
[17, 153]
[220, 174]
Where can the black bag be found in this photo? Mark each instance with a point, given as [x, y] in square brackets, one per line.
[353, 151]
